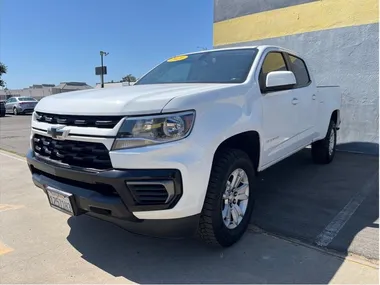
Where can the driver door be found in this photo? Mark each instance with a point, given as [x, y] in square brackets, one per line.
[279, 121]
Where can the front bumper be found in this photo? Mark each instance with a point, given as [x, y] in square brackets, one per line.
[108, 195]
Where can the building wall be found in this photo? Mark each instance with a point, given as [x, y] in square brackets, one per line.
[114, 84]
[339, 38]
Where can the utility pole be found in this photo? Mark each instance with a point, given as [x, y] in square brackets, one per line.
[102, 53]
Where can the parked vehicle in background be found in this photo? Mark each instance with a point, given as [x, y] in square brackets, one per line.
[2, 108]
[178, 152]
[20, 105]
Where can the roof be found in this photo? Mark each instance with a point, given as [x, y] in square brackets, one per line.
[73, 86]
[41, 85]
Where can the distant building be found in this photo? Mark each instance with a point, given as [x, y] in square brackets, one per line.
[39, 91]
[70, 86]
[114, 84]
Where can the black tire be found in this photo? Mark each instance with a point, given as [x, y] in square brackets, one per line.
[320, 150]
[15, 112]
[211, 228]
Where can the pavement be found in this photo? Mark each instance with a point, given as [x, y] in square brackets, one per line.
[14, 133]
[311, 224]
[335, 206]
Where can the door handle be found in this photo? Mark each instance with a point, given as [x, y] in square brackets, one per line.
[314, 97]
[295, 101]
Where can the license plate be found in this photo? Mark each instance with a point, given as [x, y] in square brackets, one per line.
[60, 200]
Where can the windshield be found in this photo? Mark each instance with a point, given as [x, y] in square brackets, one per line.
[23, 99]
[224, 66]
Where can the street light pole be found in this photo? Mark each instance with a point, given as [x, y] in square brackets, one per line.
[102, 53]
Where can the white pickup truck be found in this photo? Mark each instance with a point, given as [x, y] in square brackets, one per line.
[177, 154]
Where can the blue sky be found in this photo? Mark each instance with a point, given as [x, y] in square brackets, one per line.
[49, 41]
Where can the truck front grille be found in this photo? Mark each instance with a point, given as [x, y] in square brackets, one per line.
[74, 153]
[107, 122]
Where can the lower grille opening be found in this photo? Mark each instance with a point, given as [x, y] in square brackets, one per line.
[104, 189]
[100, 211]
[149, 193]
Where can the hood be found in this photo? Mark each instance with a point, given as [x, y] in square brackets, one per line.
[127, 100]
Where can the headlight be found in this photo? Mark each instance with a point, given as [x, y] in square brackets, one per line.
[150, 130]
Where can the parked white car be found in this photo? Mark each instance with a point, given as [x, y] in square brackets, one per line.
[20, 105]
[178, 153]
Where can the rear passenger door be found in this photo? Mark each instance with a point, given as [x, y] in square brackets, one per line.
[279, 125]
[304, 91]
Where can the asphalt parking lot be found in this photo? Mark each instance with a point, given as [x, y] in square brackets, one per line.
[14, 133]
[311, 224]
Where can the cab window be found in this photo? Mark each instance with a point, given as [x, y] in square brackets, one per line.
[274, 61]
[298, 67]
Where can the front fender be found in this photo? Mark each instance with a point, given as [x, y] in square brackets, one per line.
[219, 117]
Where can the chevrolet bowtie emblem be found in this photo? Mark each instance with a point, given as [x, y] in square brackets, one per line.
[58, 133]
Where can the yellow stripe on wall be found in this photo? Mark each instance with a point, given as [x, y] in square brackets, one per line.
[309, 17]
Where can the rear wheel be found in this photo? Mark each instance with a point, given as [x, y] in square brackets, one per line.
[323, 151]
[229, 200]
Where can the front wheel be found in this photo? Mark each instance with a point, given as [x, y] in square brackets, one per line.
[323, 151]
[229, 200]
[15, 112]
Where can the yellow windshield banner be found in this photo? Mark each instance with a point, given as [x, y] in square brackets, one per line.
[177, 58]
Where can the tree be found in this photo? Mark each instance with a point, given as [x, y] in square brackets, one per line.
[3, 70]
[129, 78]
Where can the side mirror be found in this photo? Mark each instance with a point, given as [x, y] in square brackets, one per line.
[279, 80]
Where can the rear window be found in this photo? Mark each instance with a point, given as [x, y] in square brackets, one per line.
[300, 71]
[24, 99]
